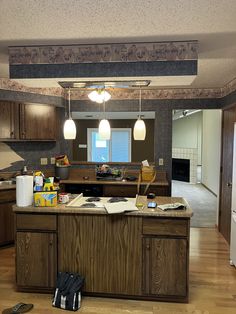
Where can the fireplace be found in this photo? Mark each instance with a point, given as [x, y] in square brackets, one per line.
[180, 169]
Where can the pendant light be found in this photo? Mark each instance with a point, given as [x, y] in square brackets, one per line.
[69, 129]
[104, 129]
[139, 131]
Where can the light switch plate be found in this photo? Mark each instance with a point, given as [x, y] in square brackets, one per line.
[161, 162]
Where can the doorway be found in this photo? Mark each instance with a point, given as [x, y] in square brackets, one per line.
[228, 120]
[196, 136]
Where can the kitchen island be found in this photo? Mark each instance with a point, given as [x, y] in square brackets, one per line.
[142, 254]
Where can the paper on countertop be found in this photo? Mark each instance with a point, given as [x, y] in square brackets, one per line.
[8, 156]
[111, 208]
[172, 206]
[120, 207]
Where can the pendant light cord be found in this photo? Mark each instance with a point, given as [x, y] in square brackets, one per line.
[140, 97]
[104, 104]
[69, 115]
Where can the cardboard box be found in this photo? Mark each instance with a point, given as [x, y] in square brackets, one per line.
[45, 199]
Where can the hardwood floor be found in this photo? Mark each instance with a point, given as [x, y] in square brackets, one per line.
[212, 284]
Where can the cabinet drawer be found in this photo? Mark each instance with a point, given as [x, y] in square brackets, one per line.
[36, 222]
[173, 227]
[7, 196]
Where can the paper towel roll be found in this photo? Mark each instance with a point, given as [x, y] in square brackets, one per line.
[24, 190]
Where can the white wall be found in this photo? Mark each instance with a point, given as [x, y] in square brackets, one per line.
[187, 133]
[211, 149]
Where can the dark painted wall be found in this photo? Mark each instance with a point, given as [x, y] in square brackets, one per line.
[140, 149]
[162, 135]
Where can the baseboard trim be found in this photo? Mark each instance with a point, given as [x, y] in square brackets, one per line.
[209, 189]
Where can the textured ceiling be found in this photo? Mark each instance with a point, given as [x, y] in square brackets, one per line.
[211, 22]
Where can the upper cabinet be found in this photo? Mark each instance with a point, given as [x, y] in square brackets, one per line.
[9, 121]
[27, 121]
[37, 122]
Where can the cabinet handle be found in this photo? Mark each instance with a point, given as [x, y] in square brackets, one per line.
[148, 246]
[229, 184]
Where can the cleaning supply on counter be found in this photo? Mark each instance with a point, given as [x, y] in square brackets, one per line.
[24, 190]
[48, 184]
[45, 199]
[38, 181]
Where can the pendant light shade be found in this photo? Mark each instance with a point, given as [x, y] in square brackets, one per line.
[104, 130]
[99, 96]
[139, 131]
[69, 129]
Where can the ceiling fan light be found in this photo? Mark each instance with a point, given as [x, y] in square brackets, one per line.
[104, 129]
[99, 96]
[139, 131]
[69, 130]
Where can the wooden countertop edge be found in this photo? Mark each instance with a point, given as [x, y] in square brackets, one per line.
[8, 187]
[145, 212]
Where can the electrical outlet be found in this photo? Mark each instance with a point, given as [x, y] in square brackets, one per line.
[53, 161]
[161, 162]
[43, 161]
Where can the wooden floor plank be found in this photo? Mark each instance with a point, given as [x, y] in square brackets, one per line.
[212, 284]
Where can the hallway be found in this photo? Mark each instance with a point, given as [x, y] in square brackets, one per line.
[201, 200]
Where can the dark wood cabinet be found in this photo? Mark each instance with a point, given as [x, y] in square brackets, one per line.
[104, 249]
[7, 199]
[126, 255]
[9, 120]
[165, 258]
[37, 122]
[36, 251]
[27, 121]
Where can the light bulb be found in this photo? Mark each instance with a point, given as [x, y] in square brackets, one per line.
[139, 131]
[69, 130]
[104, 129]
[99, 96]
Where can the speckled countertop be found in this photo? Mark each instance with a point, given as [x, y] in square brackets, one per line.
[62, 209]
[7, 187]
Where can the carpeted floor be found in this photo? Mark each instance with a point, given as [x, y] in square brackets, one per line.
[202, 202]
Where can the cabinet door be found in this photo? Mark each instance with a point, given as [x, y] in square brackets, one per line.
[165, 267]
[38, 122]
[9, 120]
[6, 223]
[106, 250]
[36, 264]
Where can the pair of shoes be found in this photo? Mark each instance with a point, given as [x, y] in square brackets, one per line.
[18, 308]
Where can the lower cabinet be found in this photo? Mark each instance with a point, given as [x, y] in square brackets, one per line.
[7, 199]
[165, 260]
[36, 252]
[119, 255]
